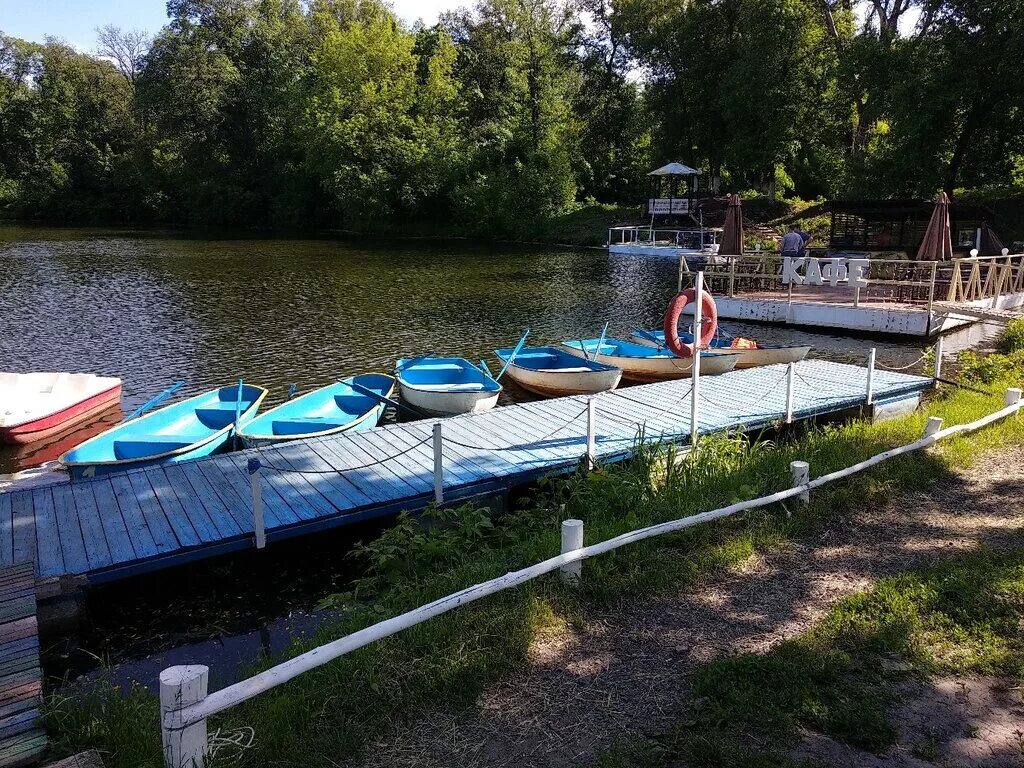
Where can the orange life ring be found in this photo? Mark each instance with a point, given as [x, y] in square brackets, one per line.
[709, 318]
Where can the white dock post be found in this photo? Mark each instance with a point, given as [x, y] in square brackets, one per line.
[801, 472]
[698, 326]
[572, 539]
[870, 394]
[591, 433]
[438, 478]
[934, 425]
[938, 361]
[257, 504]
[1012, 396]
[181, 687]
[790, 388]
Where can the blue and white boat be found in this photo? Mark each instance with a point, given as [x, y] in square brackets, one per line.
[648, 364]
[553, 372]
[179, 432]
[445, 386]
[338, 407]
[748, 354]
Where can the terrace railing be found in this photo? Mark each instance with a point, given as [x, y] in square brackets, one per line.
[977, 278]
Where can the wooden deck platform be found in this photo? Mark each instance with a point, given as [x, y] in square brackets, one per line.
[22, 738]
[115, 526]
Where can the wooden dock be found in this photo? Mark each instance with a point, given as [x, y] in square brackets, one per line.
[123, 524]
[22, 738]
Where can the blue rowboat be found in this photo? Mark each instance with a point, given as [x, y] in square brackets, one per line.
[648, 364]
[747, 357]
[553, 372]
[445, 386]
[179, 432]
[329, 410]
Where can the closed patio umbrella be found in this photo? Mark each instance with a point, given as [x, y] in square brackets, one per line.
[732, 237]
[938, 242]
[991, 245]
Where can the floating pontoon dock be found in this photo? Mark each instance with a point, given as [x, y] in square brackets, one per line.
[123, 524]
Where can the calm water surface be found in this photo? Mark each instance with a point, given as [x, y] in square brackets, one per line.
[152, 308]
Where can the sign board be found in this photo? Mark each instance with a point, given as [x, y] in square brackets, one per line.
[666, 206]
[807, 270]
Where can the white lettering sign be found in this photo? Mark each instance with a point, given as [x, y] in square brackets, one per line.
[663, 206]
[805, 270]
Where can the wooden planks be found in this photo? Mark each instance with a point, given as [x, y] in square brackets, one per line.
[132, 522]
[90, 759]
[22, 738]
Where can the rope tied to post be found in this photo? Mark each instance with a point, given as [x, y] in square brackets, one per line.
[338, 470]
[517, 446]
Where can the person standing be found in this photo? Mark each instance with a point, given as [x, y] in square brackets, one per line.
[805, 240]
[792, 243]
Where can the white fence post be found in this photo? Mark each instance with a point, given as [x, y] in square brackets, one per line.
[257, 504]
[870, 394]
[180, 687]
[572, 539]
[938, 360]
[698, 327]
[438, 466]
[591, 434]
[801, 472]
[790, 388]
[1012, 396]
[934, 425]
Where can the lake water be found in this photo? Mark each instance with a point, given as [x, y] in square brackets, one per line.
[156, 307]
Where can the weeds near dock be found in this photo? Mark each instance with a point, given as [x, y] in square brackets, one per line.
[330, 714]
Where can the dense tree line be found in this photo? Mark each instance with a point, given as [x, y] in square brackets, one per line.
[333, 113]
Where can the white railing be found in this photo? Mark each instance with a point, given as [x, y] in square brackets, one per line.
[986, 277]
[694, 239]
[185, 705]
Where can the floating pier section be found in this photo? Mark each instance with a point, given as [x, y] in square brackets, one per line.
[123, 524]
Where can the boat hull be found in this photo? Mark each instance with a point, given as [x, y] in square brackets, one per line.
[647, 370]
[435, 403]
[87, 471]
[564, 383]
[751, 358]
[62, 420]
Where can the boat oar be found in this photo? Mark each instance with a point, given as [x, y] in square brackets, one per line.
[512, 357]
[383, 399]
[154, 402]
[292, 389]
[600, 341]
[650, 337]
[238, 414]
[485, 369]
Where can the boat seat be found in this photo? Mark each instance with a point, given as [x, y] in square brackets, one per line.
[220, 415]
[140, 446]
[301, 426]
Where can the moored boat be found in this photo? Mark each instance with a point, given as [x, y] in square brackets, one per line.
[178, 432]
[330, 410]
[553, 372]
[445, 386]
[747, 356]
[34, 406]
[644, 364]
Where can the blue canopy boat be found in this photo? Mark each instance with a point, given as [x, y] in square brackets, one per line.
[553, 372]
[647, 363]
[749, 354]
[179, 432]
[446, 386]
[338, 407]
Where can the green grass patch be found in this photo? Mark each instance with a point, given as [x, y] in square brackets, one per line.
[327, 716]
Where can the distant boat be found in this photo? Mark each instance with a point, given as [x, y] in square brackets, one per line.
[34, 406]
[179, 432]
[445, 386]
[747, 357]
[326, 411]
[647, 364]
[553, 372]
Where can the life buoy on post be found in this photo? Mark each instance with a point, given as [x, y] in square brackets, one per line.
[709, 312]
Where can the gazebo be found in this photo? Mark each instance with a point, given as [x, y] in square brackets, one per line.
[673, 190]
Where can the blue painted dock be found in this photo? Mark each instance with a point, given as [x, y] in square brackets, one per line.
[123, 524]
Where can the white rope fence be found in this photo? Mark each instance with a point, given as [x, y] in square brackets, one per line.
[185, 705]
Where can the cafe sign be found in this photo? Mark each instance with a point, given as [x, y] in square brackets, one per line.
[808, 270]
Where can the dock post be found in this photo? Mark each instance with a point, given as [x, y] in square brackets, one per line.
[938, 361]
[934, 425]
[801, 472]
[870, 394]
[790, 387]
[572, 539]
[180, 687]
[591, 433]
[257, 504]
[438, 478]
[1012, 396]
[732, 275]
[698, 327]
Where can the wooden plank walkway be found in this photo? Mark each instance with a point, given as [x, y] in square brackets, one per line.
[115, 526]
[22, 738]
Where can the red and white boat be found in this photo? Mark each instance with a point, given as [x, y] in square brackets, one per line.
[34, 406]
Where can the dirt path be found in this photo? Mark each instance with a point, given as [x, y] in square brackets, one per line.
[626, 671]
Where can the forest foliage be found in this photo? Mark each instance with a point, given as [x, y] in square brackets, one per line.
[333, 113]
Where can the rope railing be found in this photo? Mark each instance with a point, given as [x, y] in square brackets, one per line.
[186, 705]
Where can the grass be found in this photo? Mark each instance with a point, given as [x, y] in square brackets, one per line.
[328, 715]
